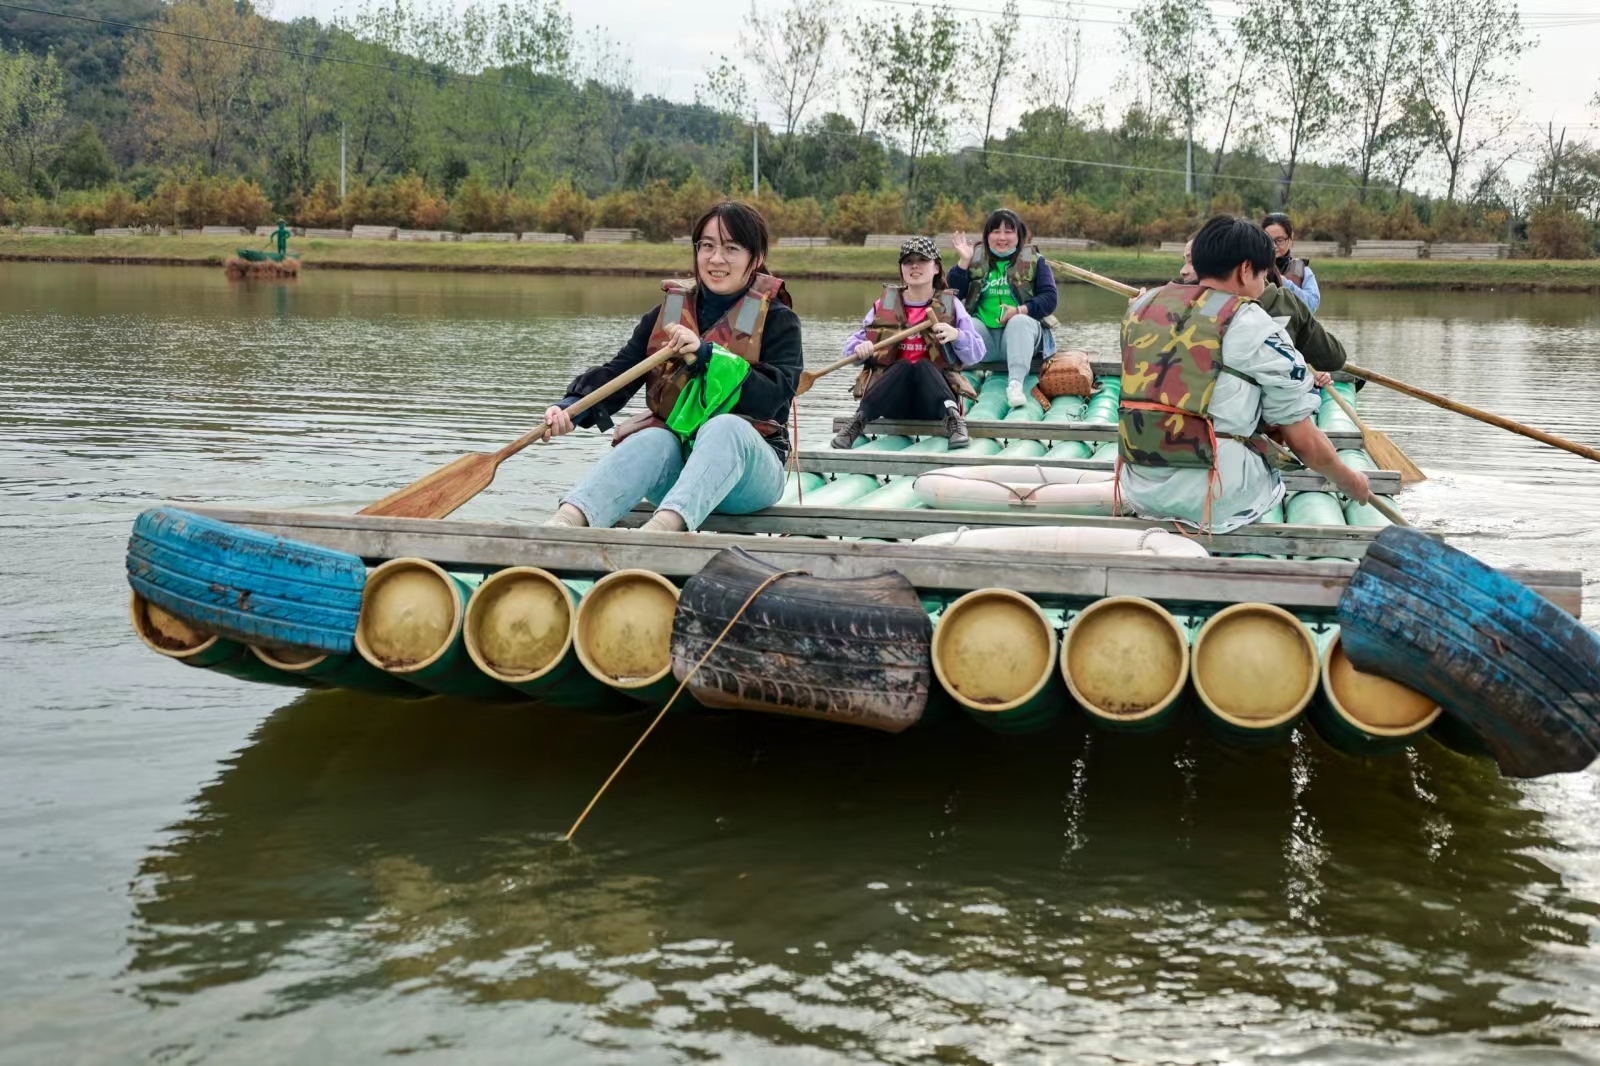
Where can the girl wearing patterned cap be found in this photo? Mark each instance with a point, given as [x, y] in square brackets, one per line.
[917, 379]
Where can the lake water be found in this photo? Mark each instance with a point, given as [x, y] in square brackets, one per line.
[194, 869]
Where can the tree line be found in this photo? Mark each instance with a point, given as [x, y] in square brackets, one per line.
[1363, 117]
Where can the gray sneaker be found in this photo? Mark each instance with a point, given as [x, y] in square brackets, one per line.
[955, 428]
[846, 437]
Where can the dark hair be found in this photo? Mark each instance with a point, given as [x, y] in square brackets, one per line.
[1278, 218]
[1224, 242]
[992, 223]
[744, 226]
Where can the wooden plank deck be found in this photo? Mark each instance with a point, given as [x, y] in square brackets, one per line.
[1345, 542]
[895, 464]
[493, 545]
[1085, 431]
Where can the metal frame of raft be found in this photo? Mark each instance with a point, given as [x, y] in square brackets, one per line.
[1016, 638]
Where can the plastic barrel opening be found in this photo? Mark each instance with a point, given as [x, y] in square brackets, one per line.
[519, 624]
[624, 630]
[165, 632]
[1126, 660]
[1365, 712]
[994, 652]
[1255, 667]
[410, 615]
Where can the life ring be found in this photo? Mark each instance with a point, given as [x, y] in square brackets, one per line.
[1050, 490]
[1073, 539]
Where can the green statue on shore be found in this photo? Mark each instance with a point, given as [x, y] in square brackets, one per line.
[281, 235]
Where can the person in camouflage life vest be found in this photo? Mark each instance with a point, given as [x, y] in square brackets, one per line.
[1171, 357]
[1205, 372]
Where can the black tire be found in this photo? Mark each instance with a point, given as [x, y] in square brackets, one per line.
[852, 651]
[244, 585]
[1512, 668]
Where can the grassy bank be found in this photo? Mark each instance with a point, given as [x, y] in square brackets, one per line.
[659, 260]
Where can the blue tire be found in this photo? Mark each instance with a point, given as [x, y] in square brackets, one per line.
[244, 585]
[1510, 667]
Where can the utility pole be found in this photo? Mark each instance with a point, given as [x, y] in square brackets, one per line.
[755, 151]
[1188, 162]
[341, 162]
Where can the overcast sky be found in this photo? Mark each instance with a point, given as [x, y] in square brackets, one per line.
[671, 49]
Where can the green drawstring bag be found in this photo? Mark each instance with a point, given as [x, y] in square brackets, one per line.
[709, 395]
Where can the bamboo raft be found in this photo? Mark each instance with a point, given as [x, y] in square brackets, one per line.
[882, 631]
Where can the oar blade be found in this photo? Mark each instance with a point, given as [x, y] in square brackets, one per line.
[441, 492]
[1387, 454]
[807, 379]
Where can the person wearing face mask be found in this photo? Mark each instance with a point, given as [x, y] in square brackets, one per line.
[716, 433]
[1323, 351]
[1297, 275]
[917, 379]
[1204, 370]
[1009, 289]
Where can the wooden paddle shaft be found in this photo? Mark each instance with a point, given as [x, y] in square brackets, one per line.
[886, 343]
[541, 431]
[1346, 407]
[1473, 412]
[1109, 284]
[1388, 510]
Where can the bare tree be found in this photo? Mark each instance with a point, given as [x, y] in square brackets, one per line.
[791, 51]
[867, 45]
[1299, 43]
[1171, 38]
[1236, 59]
[1381, 55]
[920, 85]
[1467, 76]
[993, 57]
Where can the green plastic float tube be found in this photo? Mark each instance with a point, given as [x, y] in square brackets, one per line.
[411, 626]
[1125, 659]
[518, 630]
[173, 637]
[1363, 714]
[994, 653]
[1254, 668]
[623, 634]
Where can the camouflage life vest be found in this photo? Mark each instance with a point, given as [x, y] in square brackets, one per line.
[1171, 359]
[739, 331]
[889, 315]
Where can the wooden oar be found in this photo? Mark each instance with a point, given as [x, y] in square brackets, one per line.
[1388, 510]
[1109, 284]
[809, 378]
[1473, 412]
[1385, 452]
[453, 484]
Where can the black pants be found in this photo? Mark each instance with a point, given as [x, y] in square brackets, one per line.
[908, 391]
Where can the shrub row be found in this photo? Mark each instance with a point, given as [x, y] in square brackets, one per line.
[662, 212]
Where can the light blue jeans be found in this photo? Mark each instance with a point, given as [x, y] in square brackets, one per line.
[731, 469]
[1014, 344]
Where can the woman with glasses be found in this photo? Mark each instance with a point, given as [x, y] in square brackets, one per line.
[716, 433]
[1297, 275]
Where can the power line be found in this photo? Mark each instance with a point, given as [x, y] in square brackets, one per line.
[1164, 170]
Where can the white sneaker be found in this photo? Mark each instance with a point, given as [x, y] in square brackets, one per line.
[1014, 394]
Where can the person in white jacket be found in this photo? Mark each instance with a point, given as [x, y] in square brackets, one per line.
[1193, 426]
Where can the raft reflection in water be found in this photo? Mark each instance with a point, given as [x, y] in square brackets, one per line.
[761, 882]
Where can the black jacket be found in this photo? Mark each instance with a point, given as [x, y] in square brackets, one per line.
[766, 391]
[1321, 348]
